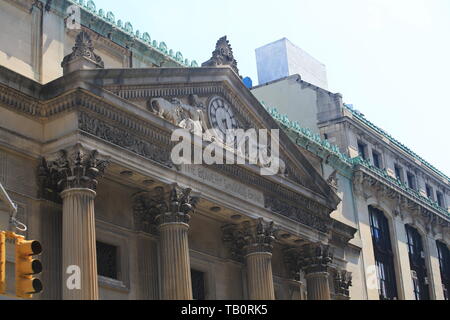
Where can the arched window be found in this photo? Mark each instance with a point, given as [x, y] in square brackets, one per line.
[444, 263]
[384, 258]
[417, 262]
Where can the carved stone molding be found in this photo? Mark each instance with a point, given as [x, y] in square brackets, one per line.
[315, 258]
[333, 180]
[83, 49]
[162, 206]
[314, 219]
[222, 56]
[125, 139]
[366, 183]
[249, 237]
[342, 280]
[75, 167]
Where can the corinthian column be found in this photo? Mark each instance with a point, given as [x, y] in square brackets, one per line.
[173, 226]
[315, 261]
[253, 243]
[75, 172]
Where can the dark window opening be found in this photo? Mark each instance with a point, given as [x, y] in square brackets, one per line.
[198, 285]
[362, 150]
[411, 181]
[429, 192]
[107, 261]
[384, 257]
[444, 263]
[376, 159]
[325, 136]
[398, 173]
[440, 199]
[417, 262]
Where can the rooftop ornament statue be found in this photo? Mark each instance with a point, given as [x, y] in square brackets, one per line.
[82, 56]
[222, 56]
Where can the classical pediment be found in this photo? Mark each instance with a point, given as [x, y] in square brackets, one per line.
[132, 109]
[209, 98]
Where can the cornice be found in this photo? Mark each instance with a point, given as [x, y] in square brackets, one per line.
[391, 143]
[388, 187]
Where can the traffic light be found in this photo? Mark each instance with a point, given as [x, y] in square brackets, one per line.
[27, 267]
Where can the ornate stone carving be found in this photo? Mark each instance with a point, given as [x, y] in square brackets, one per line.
[163, 206]
[73, 168]
[190, 117]
[333, 180]
[315, 258]
[342, 283]
[125, 139]
[249, 237]
[222, 56]
[321, 222]
[83, 49]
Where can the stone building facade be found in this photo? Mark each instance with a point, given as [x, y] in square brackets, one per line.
[398, 202]
[86, 118]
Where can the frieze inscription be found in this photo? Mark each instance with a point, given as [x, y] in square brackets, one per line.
[226, 184]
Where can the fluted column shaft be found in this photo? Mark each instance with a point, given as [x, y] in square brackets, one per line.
[259, 276]
[318, 286]
[79, 245]
[175, 263]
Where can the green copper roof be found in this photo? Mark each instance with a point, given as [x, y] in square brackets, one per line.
[343, 160]
[361, 117]
[127, 27]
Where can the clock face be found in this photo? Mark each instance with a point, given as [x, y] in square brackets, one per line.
[222, 118]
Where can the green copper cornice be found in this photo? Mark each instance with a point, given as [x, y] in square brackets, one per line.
[330, 153]
[395, 142]
[130, 35]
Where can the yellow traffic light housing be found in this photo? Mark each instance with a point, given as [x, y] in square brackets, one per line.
[27, 267]
[2, 262]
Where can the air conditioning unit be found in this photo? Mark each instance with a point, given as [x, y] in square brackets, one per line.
[414, 274]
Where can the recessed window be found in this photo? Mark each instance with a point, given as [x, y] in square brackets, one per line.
[411, 180]
[440, 199]
[417, 263]
[198, 285]
[398, 172]
[107, 261]
[362, 150]
[376, 159]
[325, 136]
[444, 263]
[384, 258]
[429, 192]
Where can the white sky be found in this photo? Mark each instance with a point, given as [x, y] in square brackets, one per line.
[389, 58]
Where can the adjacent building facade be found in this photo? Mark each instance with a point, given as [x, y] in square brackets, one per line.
[398, 202]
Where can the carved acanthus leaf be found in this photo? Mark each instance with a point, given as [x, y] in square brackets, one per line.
[73, 168]
[249, 237]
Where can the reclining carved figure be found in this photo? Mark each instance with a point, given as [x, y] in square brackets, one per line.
[180, 114]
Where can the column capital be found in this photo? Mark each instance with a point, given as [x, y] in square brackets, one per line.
[72, 168]
[161, 206]
[249, 237]
[316, 258]
[342, 280]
